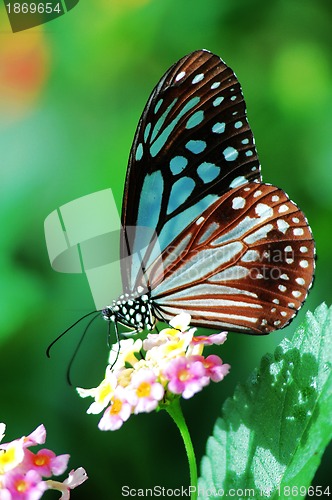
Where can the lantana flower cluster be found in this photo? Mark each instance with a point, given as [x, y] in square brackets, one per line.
[145, 375]
[22, 471]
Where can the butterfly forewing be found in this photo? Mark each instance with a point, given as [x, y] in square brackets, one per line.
[193, 143]
[245, 265]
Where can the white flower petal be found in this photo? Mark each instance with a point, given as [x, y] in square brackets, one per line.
[76, 477]
[2, 430]
[84, 393]
[181, 321]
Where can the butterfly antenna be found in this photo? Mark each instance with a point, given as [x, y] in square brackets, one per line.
[77, 348]
[63, 333]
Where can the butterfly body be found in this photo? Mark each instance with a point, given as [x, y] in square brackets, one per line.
[235, 253]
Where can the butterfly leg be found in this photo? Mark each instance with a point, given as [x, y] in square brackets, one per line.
[117, 341]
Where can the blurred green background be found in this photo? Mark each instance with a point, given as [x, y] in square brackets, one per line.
[71, 94]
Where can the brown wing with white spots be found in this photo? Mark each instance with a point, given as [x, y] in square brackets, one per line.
[245, 265]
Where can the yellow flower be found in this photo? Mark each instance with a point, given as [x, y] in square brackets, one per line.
[102, 394]
[127, 354]
[124, 376]
[11, 455]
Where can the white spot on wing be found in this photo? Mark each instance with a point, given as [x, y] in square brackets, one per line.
[282, 225]
[283, 209]
[238, 202]
[263, 210]
[199, 221]
[180, 76]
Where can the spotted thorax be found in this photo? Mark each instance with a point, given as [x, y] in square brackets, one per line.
[132, 310]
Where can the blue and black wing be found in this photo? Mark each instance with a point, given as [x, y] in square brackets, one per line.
[193, 143]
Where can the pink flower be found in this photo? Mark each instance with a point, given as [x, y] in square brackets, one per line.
[27, 486]
[45, 462]
[117, 413]
[148, 373]
[145, 392]
[215, 368]
[186, 376]
[21, 471]
[38, 436]
[216, 338]
[197, 344]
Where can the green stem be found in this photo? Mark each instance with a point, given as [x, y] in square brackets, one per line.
[174, 410]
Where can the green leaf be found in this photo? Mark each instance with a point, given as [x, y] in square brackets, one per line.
[273, 431]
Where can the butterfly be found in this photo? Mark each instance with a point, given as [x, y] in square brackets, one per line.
[201, 232]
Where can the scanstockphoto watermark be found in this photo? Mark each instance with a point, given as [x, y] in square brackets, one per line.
[186, 492]
[84, 235]
[228, 263]
[231, 254]
[26, 14]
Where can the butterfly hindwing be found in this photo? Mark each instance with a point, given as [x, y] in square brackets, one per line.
[193, 143]
[245, 264]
